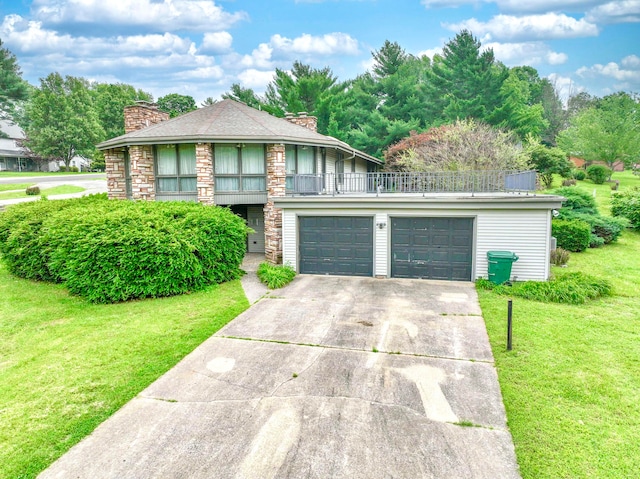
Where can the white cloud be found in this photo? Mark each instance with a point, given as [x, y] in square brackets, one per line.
[259, 58]
[329, 44]
[162, 15]
[256, 79]
[519, 5]
[627, 11]
[526, 53]
[202, 73]
[216, 42]
[565, 86]
[611, 69]
[430, 52]
[530, 27]
[632, 61]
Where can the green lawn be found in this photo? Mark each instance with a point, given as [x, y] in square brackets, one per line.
[56, 190]
[14, 186]
[17, 174]
[571, 385]
[66, 365]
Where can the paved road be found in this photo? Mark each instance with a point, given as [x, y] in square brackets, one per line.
[294, 388]
[52, 178]
[91, 182]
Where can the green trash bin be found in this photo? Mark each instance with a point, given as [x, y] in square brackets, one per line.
[500, 265]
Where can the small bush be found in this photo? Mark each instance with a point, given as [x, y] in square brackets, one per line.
[275, 276]
[598, 174]
[62, 168]
[33, 191]
[73, 169]
[576, 199]
[570, 288]
[605, 227]
[559, 256]
[572, 235]
[579, 175]
[627, 204]
[615, 185]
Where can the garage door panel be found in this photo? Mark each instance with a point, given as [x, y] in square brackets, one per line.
[344, 245]
[432, 248]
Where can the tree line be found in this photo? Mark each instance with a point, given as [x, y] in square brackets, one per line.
[463, 91]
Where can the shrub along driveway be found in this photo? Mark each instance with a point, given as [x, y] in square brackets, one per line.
[328, 377]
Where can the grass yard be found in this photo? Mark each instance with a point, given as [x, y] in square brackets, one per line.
[17, 174]
[571, 385]
[14, 186]
[56, 190]
[66, 365]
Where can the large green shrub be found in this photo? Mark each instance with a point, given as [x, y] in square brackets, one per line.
[23, 249]
[627, 204]
[598, 174]
[577, 199]
[113, 251]
[572, 235]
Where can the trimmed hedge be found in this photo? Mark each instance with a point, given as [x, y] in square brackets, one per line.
[111, 251]
[572, 235]
[627, 204]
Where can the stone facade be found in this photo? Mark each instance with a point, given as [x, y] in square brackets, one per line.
[276, 184]
[309, 122]
[115, 170]
[141, 115]
[143, 184]
[204, 170]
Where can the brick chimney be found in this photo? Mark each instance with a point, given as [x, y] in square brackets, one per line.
[142, 115]
[309, 122]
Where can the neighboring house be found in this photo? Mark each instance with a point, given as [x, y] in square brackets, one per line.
[12, 156]
[80, 162]
[582, 163]
[321, 205]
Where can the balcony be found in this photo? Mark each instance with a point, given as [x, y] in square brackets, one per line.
[413, 182]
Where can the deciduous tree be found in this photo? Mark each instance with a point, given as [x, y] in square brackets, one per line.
[63, 121]
[176, 104]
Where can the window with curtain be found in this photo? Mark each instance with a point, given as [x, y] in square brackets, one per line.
[176, 168]
[299, 160]
[240, 168]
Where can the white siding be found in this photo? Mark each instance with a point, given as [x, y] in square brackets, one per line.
[525, 233]
[332, 157]
[290, 238]
[361, 166]
[381, 245]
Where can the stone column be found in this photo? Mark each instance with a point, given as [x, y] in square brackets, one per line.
[142, 115]
[204, 170]
[115, 170]
[143, 179]
[276, 183]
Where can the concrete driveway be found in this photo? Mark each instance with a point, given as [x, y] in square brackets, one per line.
[330, 377]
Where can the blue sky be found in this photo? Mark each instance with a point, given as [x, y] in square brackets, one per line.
[201, 47]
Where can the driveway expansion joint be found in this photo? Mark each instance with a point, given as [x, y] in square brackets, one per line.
[343, 348]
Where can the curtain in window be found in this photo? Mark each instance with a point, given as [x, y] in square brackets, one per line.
[167, 185]
[188, 185]
[254, 183]
[226, 160]
[187, 159]
[166, 157]
[227, 184]
[253, 160]
[290, 159]
[306, 160]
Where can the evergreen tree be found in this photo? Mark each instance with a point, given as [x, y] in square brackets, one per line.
[388, 59]
[12, 87]
[464, 82]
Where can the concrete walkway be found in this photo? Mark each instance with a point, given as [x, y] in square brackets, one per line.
[329, 377]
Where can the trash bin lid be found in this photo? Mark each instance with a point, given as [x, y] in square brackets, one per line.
[502, 255]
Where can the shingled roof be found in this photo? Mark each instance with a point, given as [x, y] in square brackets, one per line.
[229, 121]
